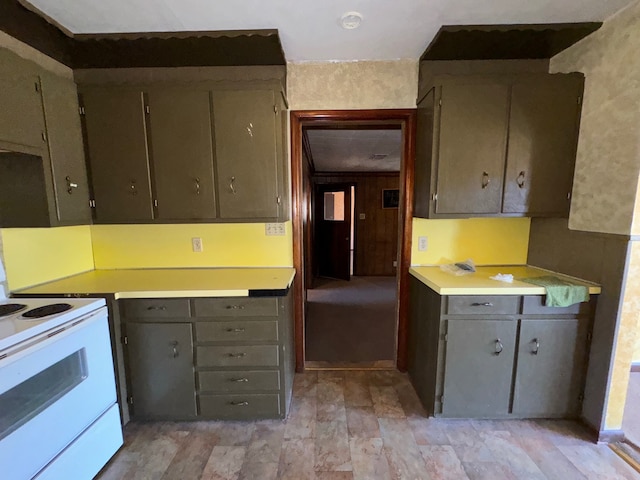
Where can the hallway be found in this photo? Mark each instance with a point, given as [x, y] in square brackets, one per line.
[351, 322]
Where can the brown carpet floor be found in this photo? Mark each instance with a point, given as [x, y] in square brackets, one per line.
[352, 321]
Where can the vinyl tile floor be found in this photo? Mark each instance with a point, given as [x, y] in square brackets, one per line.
[362, 425]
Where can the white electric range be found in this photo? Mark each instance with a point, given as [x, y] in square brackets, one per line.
[58, 411]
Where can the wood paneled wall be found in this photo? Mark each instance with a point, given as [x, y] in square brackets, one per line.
[376, 245]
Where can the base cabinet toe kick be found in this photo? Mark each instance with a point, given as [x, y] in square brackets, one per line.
[208, 358]
[500, 356]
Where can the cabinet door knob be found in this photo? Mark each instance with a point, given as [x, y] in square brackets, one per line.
[536, 346]
[485, 180]
[499, 347]
[70, 185]
[520, 179]
[174, 346]
[133, 189]
[232, 186]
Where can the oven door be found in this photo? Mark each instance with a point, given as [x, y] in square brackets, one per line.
[51, 390]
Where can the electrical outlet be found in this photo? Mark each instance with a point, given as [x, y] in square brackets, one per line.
[395, 263]
[196, 244]
[271, 229]
[362, 216]
[422, 244]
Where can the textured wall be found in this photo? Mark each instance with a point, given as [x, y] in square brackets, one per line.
[352, 85]
[608, 163]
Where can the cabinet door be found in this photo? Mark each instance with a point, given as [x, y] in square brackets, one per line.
[182, 150]
[161, 369]
[118, 157]
[21, 116]
[551, 365]
[478, 368]
[543, 133]
[472, 147]
[64, 132]
[424, 154]
[245, 137]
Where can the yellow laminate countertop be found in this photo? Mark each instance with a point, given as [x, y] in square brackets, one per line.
[169, 282]
[479, 283]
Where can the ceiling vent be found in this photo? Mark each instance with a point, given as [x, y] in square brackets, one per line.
[378, 156]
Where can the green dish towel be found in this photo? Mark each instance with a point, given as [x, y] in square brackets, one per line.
[560, 293]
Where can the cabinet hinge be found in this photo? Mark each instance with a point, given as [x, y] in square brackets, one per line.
[278, 200]
[434, 197]
[589, 336]
[130, 400]
[155, 203]
[37, 85]
[44, 136]
[581, 397]
[81, 111]
[147, 109]
[275, 109]
[125, 340]
[92, 204]
[579, 100]
[441, 399]
[445, 337]
[440, 102]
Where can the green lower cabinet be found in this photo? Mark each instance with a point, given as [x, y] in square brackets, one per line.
[162, 377]
[550, 371]
[478, 368]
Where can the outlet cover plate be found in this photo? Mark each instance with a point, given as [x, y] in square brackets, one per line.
[271, 229]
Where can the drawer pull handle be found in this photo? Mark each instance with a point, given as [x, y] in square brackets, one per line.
[232, 186]
[239, 404]
[482, 304]
[235, 307]
[240, 380]
[237, 355]
[154, 307]
[235, 330]
[499, 347]
[520, 179]
[536, 346]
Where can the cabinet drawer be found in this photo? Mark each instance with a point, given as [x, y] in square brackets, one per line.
[236, 307]
[237, 331]
[238, 356]
[240, 407]
[156, 307]
[238, 381]
[483, 304]
[534, 304]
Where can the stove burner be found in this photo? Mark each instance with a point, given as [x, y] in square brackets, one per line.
[47, 310]
[9, 308]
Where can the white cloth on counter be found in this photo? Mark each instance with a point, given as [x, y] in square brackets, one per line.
[503, 277]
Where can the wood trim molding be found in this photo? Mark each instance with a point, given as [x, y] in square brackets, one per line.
[406, 119]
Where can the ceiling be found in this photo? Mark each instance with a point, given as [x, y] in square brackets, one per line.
[310, 29]
[344, 150]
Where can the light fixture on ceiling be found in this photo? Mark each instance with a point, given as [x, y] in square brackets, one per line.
[378, 156]
[351, 20]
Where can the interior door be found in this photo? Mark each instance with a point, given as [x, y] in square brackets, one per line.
[333, 230]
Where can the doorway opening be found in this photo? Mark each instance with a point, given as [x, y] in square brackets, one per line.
[352, 197]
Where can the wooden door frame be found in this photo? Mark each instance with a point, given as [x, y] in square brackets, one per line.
[406, 118]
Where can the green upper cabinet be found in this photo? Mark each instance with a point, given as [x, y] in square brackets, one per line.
[543, 133]
[64, 132]
[44, 180]
[21, 115]
[182, 151]
[471, 154]
[497, 145]
[118, 154]
[246, 153]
